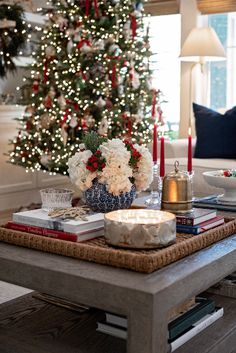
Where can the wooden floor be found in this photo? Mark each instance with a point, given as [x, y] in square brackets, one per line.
[29, 325]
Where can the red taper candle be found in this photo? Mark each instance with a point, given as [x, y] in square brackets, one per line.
[162, 157]
[190, 167]
[154, 143]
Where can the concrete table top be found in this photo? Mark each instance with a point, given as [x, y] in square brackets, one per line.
[143, 298]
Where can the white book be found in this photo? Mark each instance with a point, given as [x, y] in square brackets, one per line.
[197, 327]
[40, 218]
[90, 235]
[112, 330]
[116, 320]
[207, 320]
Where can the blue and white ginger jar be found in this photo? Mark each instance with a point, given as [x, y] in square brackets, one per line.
[99, 199]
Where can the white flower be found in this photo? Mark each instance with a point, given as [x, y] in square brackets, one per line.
[143, 176]
[82, 146]
[115, 149]
[78, 173]
[116, 176]
[117, 173]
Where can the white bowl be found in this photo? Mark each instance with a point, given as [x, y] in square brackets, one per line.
[227, 183]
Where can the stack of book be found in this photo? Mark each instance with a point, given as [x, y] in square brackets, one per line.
[214, 201]
[180, 330]
[198, 221]
[38, 222]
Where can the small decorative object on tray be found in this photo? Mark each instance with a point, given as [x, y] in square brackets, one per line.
[228, 173]
[78, 213]
[56, 198]
[140, 229]
[224, 179]
[110, 171]
[177, 191]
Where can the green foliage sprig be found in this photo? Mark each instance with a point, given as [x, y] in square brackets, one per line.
[92, 141]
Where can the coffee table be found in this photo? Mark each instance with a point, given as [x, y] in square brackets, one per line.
[144, 299]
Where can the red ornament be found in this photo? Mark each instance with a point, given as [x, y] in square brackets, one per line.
[133, 25]
[87, 7]
[227, 173]
[128, 124]
[83, 42]
[48, 102]
[113, 76]
[35, 87]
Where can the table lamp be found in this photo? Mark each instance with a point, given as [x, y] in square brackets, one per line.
[201, 45]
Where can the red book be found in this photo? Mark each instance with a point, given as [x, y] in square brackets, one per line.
[202, 227]
[85, 235]
[197, 216]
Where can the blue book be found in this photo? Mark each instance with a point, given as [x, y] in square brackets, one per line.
[202, 227]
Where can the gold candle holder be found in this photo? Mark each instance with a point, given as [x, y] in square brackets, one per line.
[177, 192]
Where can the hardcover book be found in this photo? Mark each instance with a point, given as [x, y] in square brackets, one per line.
[185, 321]
[40, 218]
[198, 215]
[200, 228]
[177, 326]
[196, 328]
[58, 234]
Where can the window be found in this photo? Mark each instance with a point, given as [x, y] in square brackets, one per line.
[222, 80]
[165, 32]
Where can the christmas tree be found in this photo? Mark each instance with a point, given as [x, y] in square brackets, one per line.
[91, 72]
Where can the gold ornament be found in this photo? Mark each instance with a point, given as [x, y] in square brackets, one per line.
[45, 121]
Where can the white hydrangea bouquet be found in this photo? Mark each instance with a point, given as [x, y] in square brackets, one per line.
[118, 165]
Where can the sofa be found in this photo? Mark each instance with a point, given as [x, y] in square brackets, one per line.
[178, 149]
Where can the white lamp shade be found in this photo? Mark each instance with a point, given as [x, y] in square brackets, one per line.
[202, 44]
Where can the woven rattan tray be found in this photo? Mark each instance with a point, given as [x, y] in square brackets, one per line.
[98, 251]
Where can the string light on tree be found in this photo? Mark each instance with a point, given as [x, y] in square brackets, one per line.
[91, 72]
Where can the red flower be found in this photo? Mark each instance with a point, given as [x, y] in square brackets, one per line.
[96, 162]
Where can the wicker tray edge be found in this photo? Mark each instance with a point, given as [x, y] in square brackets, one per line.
[140, 262]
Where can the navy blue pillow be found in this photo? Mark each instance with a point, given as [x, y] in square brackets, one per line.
[216, 133]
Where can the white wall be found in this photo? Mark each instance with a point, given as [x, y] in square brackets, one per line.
[189, 19]
[18, 188]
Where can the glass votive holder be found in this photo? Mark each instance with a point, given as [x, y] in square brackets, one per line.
[56, 198]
